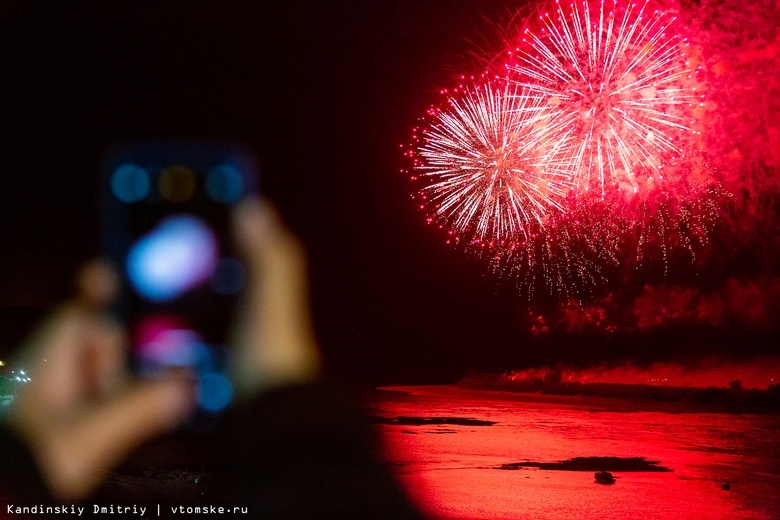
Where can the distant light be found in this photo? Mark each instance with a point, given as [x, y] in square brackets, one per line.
[225, 183]
[214, 392]
[2, 363]
[130, 183]
[22, 372]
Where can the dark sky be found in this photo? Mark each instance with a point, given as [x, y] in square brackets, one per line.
[324, 92]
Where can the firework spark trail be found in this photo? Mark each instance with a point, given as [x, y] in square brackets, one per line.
[491, 165]
[677, 223]
[597, 239]
[559, 260]
[616, 82]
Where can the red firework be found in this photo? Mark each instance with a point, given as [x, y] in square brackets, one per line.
[585, 161]
[617, 78]
[492, 165]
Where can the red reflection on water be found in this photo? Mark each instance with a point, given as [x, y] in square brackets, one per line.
[448, 469]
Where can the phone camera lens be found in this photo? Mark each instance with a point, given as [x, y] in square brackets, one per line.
[177, 183]
[130, 183]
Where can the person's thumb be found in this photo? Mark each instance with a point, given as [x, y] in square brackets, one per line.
[77, 457]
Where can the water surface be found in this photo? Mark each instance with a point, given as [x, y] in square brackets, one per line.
[449, 466]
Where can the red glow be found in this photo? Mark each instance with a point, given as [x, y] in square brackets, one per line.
[649, 118]
[449, 469]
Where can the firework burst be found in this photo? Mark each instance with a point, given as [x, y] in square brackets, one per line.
[492, 166]
[616, 78]
[580, 161]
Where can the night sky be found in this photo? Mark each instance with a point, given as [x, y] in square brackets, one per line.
[324, 93]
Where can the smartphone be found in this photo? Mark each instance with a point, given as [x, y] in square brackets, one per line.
[166, 209]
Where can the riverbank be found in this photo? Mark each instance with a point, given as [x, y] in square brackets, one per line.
[733, 399]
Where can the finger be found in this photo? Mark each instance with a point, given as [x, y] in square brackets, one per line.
[277, 340]
[273, 254]
[98, 284]
[105, 343]
[105, 355]
[278, 285]
[54, 356]
[257, 226]
[78, 347]
[78, 456]
[76, 354]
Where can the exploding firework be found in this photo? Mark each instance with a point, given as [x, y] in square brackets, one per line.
[584, 164]
[492, 166]
[617, 81]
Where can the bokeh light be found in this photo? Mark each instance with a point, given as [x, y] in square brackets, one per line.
[130, 183]
[224, 183]
[176, 256]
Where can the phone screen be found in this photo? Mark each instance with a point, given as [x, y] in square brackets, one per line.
[166, 227]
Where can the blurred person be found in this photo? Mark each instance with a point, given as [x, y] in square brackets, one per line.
[289, 449]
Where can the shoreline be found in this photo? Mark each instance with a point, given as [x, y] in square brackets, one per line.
[625, 398]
